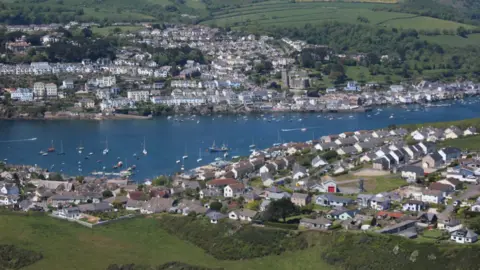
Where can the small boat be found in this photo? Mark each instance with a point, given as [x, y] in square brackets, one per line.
[235, 157]
[198, 121]
[41, 152]
[106, 150]
[61, 153]
[185, 157]
[215, 149]
[99, 161]
[218, 159]
[144, 147]
[80, 148]
[90, 154]
[44, 154]
[391, 116]
[178, 161]
[51, 149]
[252, 145]
[225, 155]
[199, 155]
[120, 164]
[303, 129]
[182, 168]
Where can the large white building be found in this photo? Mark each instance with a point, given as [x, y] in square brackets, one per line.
[22, 94]
[39, 90]
[51, 89]
[138, 95]
[175, 101]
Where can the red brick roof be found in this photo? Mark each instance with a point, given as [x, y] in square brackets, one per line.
[390, 214]
[222, 182]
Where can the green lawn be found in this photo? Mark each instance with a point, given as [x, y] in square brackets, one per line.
[373, 184]
[67, 245]
[466, 143]
[463, 124]
[103, 31]
[454, 41]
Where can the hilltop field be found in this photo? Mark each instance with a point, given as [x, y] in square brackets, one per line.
[283, 13]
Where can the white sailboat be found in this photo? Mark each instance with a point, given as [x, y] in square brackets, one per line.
[106, 150]
[61, 153]
[80, 148]
[144, 147]
[253, 144]
[199, 155]
[185, 156]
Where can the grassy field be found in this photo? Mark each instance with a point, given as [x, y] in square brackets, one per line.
[141, 241]
[373, 184]
[463, 124]
[466, 143]
[454, 41]
[103, 31]
[301, 13]
[65, 245]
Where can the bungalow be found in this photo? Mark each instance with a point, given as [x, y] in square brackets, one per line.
[427, 219]
[267, 179]
[247, 215]
[380, 202]
[95, 207]
[453, 182]
[349, 141]
[412, 172]
[268, 168]
[133, 205]
[383, 163]
[220, 183]
[215, 216]
[364, 200]
[332, 200]
[68, 213]
[300, 199]
[464, 236]
[319, 223]
[318, 161]
[329, 138]
[364, 146]
[450, 153]
[450, 225]
[380, 133]
[433, 160]
[445, 189]
[453, 133]
[233, 190]
[341, 214]
[347, 150]
[204, 193]
[299, 172]
[475, 207]
[242, 170]
[418, 135]
[432, 196]
[414, 206]
[470, 131]
[368, 157]
[274, 193]
[156, 205]
[326, 146]
[391, 215]
[329, 185]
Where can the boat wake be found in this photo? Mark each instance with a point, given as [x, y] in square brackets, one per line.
[22, 140]
[298, 129]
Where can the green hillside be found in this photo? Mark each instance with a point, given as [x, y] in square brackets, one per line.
[142, 241]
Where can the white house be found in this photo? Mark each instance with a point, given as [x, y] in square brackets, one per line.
[233, 190]
[464, 236]
[433, 196]
[318, 161]
[51, 90]
[22, 94]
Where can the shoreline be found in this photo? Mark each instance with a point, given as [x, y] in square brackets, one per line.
[67, 115]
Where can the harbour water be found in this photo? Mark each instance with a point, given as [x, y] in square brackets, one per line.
[168, 140]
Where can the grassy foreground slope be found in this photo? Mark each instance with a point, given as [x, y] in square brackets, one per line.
[65, 245]
[142, 241]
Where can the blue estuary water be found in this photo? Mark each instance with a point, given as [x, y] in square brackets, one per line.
[168, 140]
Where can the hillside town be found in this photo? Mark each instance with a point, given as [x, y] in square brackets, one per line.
[407, 182]
[227, 70]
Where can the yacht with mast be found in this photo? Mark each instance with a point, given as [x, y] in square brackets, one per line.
[51, 149]
[61, 153]
[80, 148]
[144, 147]
[199, 155]
[106, 150]
[215, 149]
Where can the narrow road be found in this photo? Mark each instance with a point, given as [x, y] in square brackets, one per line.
[472, 190]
